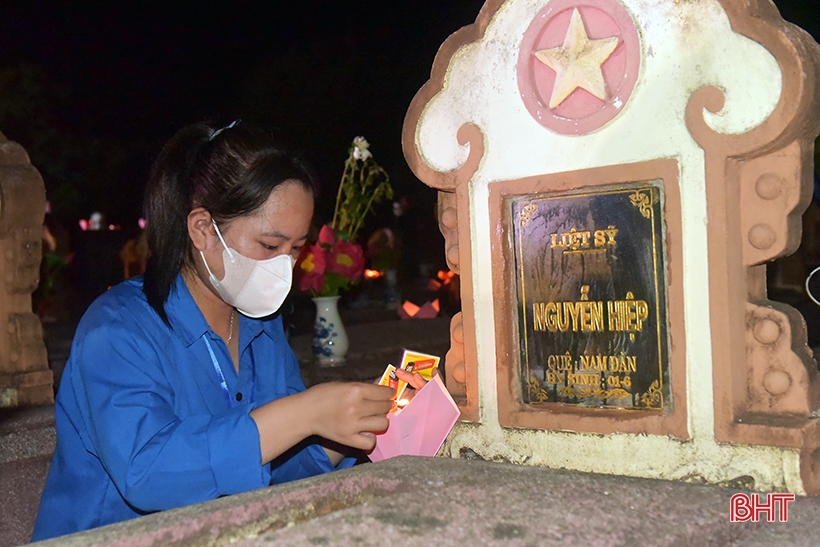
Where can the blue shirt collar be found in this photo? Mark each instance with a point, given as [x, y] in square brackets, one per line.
[190, 325]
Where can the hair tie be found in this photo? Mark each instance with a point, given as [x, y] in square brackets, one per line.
[229, 126]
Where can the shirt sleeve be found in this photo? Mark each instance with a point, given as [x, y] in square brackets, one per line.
[311, 459]
[157, 460]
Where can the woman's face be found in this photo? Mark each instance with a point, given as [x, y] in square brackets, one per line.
[279, 227]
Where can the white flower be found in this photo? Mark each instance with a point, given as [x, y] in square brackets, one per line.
[360, 149]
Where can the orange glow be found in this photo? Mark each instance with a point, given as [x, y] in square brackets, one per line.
[446, 277]
[410, 308]
[436, 305]
[372, 274]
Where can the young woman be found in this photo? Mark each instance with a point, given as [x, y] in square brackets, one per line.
[181, 386]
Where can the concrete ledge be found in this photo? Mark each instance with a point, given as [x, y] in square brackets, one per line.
[27, 440]
[27, 433]
[438, 501]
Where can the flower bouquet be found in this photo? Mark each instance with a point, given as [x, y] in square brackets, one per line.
[336, 262]
[331, 264]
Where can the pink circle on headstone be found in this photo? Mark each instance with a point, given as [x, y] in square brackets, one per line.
[581, 112]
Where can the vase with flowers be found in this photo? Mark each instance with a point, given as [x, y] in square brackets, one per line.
[336, 261]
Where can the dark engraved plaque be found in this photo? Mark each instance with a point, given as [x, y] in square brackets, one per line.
[592, 319]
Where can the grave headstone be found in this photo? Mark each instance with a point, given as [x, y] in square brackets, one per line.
[614, 176]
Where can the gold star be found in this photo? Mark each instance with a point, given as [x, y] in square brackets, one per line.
[578, 62]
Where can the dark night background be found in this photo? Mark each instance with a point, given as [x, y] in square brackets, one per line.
[93, 92]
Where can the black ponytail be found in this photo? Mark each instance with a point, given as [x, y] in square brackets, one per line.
[230, 173]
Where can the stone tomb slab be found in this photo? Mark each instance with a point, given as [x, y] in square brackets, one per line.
[444, 502]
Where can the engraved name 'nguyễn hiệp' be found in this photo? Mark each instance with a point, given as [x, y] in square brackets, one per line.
[585, 315]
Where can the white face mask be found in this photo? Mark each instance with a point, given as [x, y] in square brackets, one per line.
[254, 287]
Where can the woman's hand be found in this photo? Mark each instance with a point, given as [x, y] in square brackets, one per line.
[345, 413]
[349, 413]
[413, 379]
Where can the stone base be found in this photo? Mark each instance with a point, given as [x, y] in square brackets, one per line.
[438, 501]
[27, 440]
[27, 389]
[698, 460]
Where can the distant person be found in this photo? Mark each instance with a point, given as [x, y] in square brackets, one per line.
[181, 386]
[134, 256]
[50, 299]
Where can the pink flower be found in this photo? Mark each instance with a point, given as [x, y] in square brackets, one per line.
[332, 254]
[310, 268]
[346, 259]
[327, 235]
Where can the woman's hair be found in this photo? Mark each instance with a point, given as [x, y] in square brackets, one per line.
[229, 172]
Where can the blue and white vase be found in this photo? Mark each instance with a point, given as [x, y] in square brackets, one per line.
[329, 335]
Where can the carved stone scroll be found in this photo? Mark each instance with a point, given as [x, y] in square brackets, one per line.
[25, 378]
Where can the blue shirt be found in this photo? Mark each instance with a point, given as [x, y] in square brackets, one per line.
[144, 425]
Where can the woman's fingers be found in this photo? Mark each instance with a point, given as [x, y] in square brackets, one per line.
[374, 424]
[413, 379]
[344, 411]
[375, 408]
[366, 441]
[376, 393]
